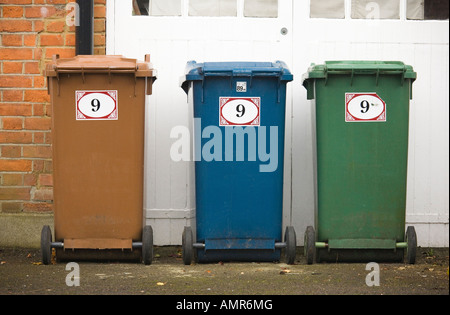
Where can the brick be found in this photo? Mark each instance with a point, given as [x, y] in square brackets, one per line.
[37, 53]
[39, 11]
[40, 207]
[99, 25]
[37, 151]
[39, 138]
[38, 166]
[58, 1]
[55, 26]
[36, 96]
[15, 25]
[99, 40]
[70, 39]
[16, 1]
[42, 194]
[62, 52]
[14, 81]
[52, 40]
[15, 165]
[12, 207]
[12, 180]
[7, 109]
[45, 179]
[38, 26]
[99, 11]
[15, 193]
[12, 40]
[39, 82]
[12, 96]
[37, 123]
[11, 151]
[14, 137]
[29, 40]
[29, 179]
[12, 12]
[16, 53]
[38, 110]
[32, 68]
[12, 123]
[10, 67]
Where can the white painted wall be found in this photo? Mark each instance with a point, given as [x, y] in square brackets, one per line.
[172, 41]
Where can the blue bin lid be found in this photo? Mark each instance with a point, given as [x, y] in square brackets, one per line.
[198, 71]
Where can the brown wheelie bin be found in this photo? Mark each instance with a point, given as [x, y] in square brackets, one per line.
[98, 113]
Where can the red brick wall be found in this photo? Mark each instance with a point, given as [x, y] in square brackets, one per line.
[31, 31]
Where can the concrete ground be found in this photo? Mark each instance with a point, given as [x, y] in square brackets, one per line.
[21, 272]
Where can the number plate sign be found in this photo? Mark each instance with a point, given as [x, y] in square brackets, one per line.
[360, 107]
[96, 105]
[240, 111]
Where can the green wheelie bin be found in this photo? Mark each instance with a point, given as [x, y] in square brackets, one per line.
[361, 123]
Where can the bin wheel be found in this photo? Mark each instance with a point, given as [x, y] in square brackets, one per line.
[411, 240]
[310, 245]
[187, 245]
[147, 245]
[46, 247]
[291, 244]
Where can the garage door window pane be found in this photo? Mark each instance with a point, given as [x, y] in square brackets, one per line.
[427, 10]
[415, 10]
[213, 8]
[331, 9]
[378, 9]
[261, 8]
[157, 7]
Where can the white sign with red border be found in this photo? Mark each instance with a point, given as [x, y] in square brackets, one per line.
[240, 111]
[96, 105]
[364, 107]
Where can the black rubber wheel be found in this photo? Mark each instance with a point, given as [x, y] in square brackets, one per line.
[291, 244]
[310, 245]
[411, 240]
[147, 245]
[188, 245]
[46, 247]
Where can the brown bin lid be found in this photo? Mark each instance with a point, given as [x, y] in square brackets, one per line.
[100, 64]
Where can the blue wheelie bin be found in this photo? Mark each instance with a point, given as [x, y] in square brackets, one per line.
[239, 130]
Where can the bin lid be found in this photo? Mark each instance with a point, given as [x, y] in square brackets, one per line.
[360, 67]
[198, 71]
[100, 64]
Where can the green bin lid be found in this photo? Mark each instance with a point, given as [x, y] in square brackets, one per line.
[360, 67]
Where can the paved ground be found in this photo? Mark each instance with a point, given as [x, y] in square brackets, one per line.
[22, 273]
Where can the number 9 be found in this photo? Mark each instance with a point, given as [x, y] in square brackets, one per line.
[241, 110]
[365, 107]
[95, 105]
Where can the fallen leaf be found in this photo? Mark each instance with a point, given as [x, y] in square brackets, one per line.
[2, 262]
[29, 255]
[160, 283]
[37, 263]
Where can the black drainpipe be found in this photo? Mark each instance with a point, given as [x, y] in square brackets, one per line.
[84, 33]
